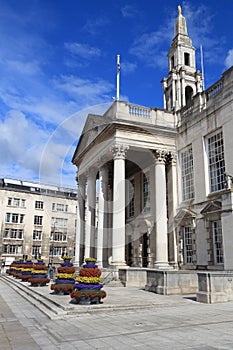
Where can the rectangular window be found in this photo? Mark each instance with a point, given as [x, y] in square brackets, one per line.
[7, 233]
[12, 249]
[15, 218]
[13, 233]
[58, 236]
[16, 202]
[8, 217]
[186, 59]
[188, 245]
[58, 251]
[37, 235]
[146, 192]
[187, 174]
[38, 220]
[217, 238]
[59, 222]
[36, 251]
[216, 162]
[39, 205]
[59, 207]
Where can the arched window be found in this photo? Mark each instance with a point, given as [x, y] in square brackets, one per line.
[188, 95]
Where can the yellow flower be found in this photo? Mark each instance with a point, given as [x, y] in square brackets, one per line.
[39, 272]
[91, 280]
[65, 275]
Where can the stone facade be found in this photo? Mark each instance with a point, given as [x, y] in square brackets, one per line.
[36, 221]
[163, 177]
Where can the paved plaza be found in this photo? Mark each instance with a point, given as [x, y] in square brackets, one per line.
[127, 319]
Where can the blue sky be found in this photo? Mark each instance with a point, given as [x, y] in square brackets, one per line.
[58, 63]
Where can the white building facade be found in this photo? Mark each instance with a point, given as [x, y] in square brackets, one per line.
[36, 220]
[163, 177]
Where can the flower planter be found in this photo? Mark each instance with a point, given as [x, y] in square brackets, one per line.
[65, 278]
[88, 284]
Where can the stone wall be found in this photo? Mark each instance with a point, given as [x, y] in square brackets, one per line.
[215, 287]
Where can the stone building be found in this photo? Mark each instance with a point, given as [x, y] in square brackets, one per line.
[163, 177]
[36, 220]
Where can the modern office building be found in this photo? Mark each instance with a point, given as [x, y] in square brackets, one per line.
[36, 220]
[163, 176]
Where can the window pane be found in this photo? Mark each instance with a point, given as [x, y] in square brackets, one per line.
[216, 162]
[187, 174]
[188, 245]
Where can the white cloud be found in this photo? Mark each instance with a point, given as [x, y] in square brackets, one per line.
[129, 11]
[229, 59]
[94, 26]
[82, 50]
[128, 67]
[88, 91]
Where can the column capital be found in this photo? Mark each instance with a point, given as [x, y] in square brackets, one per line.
[119, 151]
[81, 179]
[172, 158]
[160, 156]
[101, 161]
[91, 172]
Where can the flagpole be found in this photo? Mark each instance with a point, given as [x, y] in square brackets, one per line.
[202, 67]
[118, 78]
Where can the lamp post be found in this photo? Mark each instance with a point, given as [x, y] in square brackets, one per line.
[52, 244]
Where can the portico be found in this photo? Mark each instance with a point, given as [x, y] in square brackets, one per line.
[122, 178]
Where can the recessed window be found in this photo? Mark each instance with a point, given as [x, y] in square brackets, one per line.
[216, 161]
[37, 235]
[188, 245]
[172, 62]
[218, 244]
[187, 59]
[39, 205]
[187, 174]
[38, 220]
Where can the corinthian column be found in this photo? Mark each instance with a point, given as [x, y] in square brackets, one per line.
[90, 217]
[102, 212]
[161, 244]
[118, 222]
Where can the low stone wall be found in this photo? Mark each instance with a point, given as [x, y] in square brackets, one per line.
[161, 282]
[133, 277]
[215, 287]
[172, 282]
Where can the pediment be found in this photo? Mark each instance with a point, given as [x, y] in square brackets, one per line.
[93, 126]
[212, 207]
[185, 214]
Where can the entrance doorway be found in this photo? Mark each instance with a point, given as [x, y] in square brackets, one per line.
[145, 250]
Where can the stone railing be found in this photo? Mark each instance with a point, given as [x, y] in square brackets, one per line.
[139, 111]
[214, 89]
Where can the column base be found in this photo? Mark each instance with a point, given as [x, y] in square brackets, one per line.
[162, 266]
[116, 265]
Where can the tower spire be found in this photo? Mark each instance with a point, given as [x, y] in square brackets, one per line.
[183, 81]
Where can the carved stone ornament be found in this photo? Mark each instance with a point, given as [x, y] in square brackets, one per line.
[172, 158]
[119, 151]
[160, 156]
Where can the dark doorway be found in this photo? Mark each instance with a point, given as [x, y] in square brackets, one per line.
[144, 250]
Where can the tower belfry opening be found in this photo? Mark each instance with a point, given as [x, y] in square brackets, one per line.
[184, 81]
